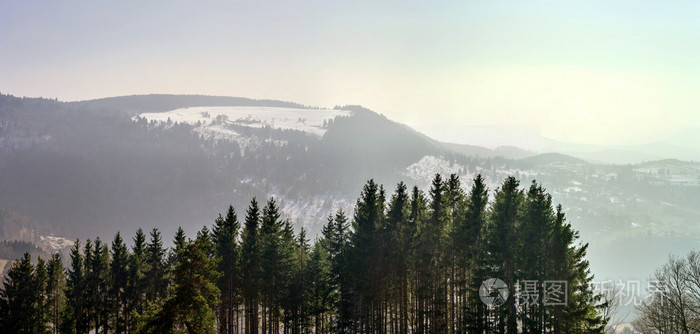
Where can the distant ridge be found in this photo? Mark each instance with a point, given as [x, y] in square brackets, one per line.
[552, 158]
[508, 152]
[166, 102]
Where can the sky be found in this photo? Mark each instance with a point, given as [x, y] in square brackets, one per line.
[588, 72]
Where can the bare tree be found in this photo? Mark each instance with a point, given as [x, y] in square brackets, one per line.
[677, 309]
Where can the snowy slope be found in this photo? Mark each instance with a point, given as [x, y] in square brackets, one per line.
[211, 118]
[423, 171]
[54, 244]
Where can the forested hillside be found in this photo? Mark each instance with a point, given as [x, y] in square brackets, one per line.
[92, 168]
[109, 169]
[404, 262]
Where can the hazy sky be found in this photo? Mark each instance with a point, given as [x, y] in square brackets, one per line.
[597, 72]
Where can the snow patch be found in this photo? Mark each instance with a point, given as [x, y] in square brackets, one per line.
[423, 171]
[54, 244]
[573, 190]
[312, 212]
[211, 118]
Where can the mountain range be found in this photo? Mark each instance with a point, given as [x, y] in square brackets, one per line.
[92, 168]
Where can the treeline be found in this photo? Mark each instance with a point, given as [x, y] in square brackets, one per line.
[408, 262]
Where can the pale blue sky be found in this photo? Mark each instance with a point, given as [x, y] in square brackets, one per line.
[596, 72]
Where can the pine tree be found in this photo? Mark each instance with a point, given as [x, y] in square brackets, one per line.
[191, 307]
[119, 271]
[19, 298]
[41, 315]
[55, 291]
[396, 259]
[501, 242]
[75, 319]
[250, 263]
[225, 238]
[538, 217]
[320, 289]
[276, 254]
[471, 245]
[437, 237]
[101, 286]
[136, 284]
[205, 235]
[337, 244]
[96, 271]
[180, 240]
[415, 241]
[454, 207]
[155, 269]
[365, 249]
[296, 301]
[569, 264]
[90, 285]
[431, 284]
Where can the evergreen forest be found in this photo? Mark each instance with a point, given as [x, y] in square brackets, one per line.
[406, 261]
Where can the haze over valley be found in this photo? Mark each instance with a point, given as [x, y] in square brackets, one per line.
[359, 167]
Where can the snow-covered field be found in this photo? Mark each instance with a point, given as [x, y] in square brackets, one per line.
[211, 118]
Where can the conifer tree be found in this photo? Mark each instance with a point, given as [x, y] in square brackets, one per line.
[415, 235]
[501, 242]
[90, 285]
[227, 250]
[271, 250]
[337, 244]
[250, 263]
[437, 238]
[277, 251]
[538, 217]
[320, 288]
[191, 306]
[180, 240]
[119, 271]
[41, 315]
[136, 285]
[19, 298]
[471, 229]
[365, 271]
[297, 301]
[55, 292]
[569, 264]
[156, 270]
[396, 258]
[205, 235]
[75, 319]
[98, 280]
[454, 206]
